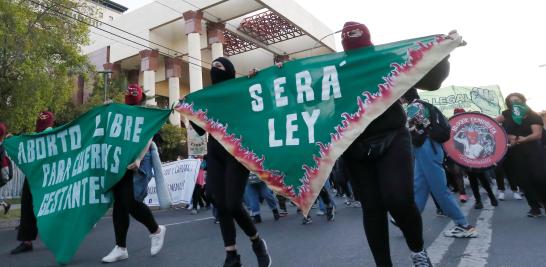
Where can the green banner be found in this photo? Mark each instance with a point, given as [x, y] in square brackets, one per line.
[485, 99]
[290, 124]
[70, 169]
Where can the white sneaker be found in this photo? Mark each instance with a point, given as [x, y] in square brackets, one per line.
[501, 195]
[117, 254]
[517, 196]
[157, 240]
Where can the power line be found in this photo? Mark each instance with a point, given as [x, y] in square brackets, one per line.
[111, 33]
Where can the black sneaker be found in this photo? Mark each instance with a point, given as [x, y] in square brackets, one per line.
[276, 214]
[330, 213]
[260, 249]
[420, 259]
[257, 218]
[232, 261]
[534, 213]
[478, 205]
[307, 220]
[23, 247]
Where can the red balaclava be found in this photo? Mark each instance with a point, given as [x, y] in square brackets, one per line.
[44, 121]
[133, 95]
[3, 129]
[472, 136]
[458, 110]
[355, 35]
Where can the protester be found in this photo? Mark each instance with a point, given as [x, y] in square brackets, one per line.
[129, 193]
[255, 190]
[198, 197]
[327, 201]
[525, 158]
[470, 139]
[28, 229]
[226, 181]
[380, 187]
[5, 166]
[429, 175]
[455, 173]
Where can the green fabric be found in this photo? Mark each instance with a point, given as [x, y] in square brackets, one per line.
[71, 168]
[290, 124]
[519, 111]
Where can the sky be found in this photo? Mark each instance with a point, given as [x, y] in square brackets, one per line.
[506, 39]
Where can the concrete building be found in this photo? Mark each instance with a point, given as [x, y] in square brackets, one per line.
[167, 46]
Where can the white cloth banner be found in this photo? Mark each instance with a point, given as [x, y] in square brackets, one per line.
[180, 177]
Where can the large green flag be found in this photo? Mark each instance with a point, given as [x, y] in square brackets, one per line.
[70, 169]
[290, 124]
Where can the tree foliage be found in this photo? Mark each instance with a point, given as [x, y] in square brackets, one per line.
[40, 57]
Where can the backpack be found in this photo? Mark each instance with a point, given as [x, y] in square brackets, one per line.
[439, 129]
[6, 169]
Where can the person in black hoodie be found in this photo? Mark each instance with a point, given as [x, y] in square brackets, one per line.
[369, 160]
[226, 181]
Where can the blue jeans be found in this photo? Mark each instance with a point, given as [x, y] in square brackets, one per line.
[252, 197]
[430, 178]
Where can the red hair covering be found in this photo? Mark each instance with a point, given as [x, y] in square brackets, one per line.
[44, 121]
[458, 110]
[3, 129]
[355, 35]
[133, 95]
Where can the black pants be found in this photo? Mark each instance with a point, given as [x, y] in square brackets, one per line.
[385, 184]
[198, 197]
[454, 175]
[473, 178]
[125, 204]
[525, 164]
[500, 175]
[28, 229]
[226, 181]
[325, 196]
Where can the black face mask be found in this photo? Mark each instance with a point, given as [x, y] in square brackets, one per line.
[217, 75]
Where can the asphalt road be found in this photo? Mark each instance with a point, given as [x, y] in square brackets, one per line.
[507, 238]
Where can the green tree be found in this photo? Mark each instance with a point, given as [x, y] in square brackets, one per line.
[40, 57]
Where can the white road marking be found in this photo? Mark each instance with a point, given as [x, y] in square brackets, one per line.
[438, 249]
[477, 250]
[189, 221]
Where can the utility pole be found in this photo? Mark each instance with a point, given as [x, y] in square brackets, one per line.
[106, 75]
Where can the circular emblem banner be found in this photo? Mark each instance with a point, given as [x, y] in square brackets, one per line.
[477, 141]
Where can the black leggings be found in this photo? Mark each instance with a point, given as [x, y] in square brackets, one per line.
[385, 184]
[473, 178]
[325, 196]
[198, 197]
[28, 229]
[125, 204]
[525, 164]
[500, 175]
[226, 181]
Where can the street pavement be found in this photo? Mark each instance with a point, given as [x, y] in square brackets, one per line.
[507, 238]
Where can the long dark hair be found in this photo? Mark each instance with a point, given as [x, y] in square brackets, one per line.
[518, 95]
